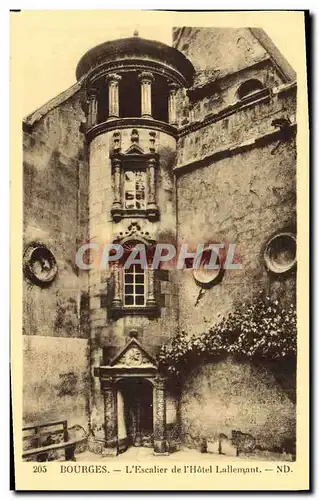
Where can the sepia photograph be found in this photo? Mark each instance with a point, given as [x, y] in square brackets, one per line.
[159, 254]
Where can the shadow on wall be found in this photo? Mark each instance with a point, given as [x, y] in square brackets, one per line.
[229, 396]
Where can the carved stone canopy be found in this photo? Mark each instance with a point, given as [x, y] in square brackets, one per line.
[133, 354]
[132, 360]
[135, 235]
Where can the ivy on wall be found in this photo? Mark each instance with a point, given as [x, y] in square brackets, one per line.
[261, 330]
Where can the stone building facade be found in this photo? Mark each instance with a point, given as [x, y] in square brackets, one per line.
[193, 143]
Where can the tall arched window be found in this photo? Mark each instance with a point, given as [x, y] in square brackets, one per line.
[249, 87]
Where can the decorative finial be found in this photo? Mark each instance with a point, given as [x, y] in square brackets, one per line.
[136, 33]
[133, 334]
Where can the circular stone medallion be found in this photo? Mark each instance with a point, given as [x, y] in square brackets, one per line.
[280, 253]
[133, 357]
[39, 264]
[208, 277]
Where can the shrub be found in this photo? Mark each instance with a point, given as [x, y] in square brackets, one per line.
[261, 330]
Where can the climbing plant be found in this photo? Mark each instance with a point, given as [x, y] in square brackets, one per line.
[260, 330]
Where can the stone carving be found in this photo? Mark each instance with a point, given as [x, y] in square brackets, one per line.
[133, 357]
[152, 142]
[116, 141]
[39, 264]
[134, 230]
[134, 227]
[134, 136]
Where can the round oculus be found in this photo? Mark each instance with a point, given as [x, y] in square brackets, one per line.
[280, 253]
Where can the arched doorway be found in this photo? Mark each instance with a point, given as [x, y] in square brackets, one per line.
[134, 413]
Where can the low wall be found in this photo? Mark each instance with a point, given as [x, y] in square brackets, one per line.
[227, 395]
[55, 380]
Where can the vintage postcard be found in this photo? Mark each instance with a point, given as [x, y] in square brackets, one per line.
[159, 253]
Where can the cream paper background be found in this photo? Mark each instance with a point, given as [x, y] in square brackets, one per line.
[290, 30]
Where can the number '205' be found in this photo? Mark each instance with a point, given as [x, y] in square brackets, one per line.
[39, 468]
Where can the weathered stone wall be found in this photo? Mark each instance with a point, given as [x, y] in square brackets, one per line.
[218, 132]
[55, 375]
[224, 58]
[227, 395]
[235, 184]
[244, 200]
[224, 50]
[56, 214]
[220, 95]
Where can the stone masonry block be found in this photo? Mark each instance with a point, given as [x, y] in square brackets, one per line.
[95, 303]
[228, 449]
[213, 447]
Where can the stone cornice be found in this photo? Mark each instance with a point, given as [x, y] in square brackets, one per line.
[139, 159]
[116, 124]
[129, 65]
[215, 82]
[257, 98]
[135, 48]
[147, 311]
[104, 372]
[232, 150]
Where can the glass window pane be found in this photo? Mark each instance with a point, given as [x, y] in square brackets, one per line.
[134, 286]
[129, 300]
[129, 289]
[139, 300]
[128, 278]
